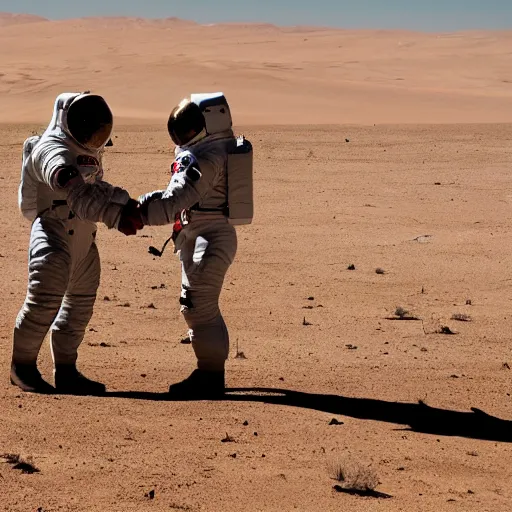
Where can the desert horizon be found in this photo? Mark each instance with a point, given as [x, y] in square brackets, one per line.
[271, 75]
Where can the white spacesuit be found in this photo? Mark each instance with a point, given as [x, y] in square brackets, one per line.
[199, 203]
[62, 193]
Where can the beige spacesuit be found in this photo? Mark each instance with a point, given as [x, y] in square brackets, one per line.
[62, 193]
[203, 208]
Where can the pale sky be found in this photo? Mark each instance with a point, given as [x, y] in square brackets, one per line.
[428, 15]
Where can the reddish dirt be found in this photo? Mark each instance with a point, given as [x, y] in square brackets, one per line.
[322, 204]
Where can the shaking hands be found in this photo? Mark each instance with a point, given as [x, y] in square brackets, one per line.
[131, 220]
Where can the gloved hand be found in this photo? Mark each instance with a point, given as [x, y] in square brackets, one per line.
[144, 199]
[131, 220]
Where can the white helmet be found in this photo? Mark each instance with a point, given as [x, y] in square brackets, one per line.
[216, 112]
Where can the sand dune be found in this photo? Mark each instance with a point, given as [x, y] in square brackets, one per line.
[271, 74]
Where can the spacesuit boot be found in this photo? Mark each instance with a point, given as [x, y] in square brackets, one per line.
[199, 385]
[69, 381]
[28, 378]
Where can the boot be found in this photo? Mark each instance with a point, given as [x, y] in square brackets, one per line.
[199, 385]
[69, 381]
[28, 378]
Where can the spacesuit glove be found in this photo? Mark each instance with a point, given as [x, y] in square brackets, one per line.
[130, 221]
[150, 196]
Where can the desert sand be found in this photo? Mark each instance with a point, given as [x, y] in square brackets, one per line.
[386, 150]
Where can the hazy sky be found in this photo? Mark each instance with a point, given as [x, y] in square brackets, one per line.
[430, 15]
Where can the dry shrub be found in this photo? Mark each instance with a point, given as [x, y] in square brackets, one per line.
[355, 476]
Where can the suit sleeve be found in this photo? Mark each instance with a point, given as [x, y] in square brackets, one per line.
[185, 189]
[99, 201]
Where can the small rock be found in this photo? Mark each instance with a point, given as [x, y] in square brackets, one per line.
[245, 423]
[380, 271]
[151, 306]
[311, 298]
[186, 341]
[334, 421]
[150, 494]
[106, 298]
[305, 322]
[351, 267]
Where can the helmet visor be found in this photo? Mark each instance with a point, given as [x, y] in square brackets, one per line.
[185, 123]
[90, 121]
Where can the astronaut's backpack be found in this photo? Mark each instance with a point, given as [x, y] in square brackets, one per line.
[240, 182]
[27, 191]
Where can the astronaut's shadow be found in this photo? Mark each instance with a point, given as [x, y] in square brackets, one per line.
[415, 417]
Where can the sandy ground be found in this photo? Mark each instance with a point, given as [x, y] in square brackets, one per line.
[321, 205]
[428, 203]
[271, 75]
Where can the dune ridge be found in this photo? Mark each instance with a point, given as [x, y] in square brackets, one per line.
[272, 75]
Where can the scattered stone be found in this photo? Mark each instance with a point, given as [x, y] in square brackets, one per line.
[105, 345]
[351, 347]
[305, 322]
[228, 439]
[150, 494]
[106, 298]
[506, 366]
[334, 421]
[446, 330]
[92, 329]
[380, 271]
[311, 298]
[240, 355]
[422, 239]
[347, 140]
[186, 341]
[351, 267]
[245, 423]
[461, 317]
[281, 378]
[151, 306]
[233, 455]
[468, 302]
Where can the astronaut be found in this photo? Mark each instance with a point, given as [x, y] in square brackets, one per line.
[199, 204]
[62, 193]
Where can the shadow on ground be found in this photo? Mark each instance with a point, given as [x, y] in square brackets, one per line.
[417, 417]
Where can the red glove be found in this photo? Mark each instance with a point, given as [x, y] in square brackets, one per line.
[131, 220]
